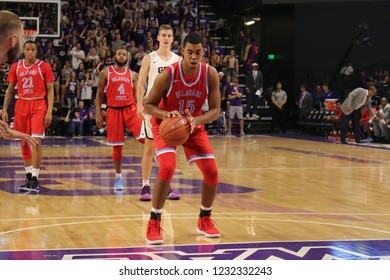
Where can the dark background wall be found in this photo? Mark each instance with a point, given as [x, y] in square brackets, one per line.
[324, 32]
[310, 38]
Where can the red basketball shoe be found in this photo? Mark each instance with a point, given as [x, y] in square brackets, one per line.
[153, 233]
[206, 227]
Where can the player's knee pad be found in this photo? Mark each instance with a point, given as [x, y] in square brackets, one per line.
[209, 169]
[167, 166]
[117, 153]
[26, 152]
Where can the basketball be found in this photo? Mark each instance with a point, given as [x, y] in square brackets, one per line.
[174, 131]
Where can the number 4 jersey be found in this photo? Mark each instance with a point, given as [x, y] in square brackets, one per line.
[31, 79]
[119, 90]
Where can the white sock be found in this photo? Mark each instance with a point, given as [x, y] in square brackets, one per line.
[145, 182]
[28, 169]
[118, 175]
[35, 172]
[205, 208]
[157, 211]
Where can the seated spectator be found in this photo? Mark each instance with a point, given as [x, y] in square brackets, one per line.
[57, 125]
[73, 123]
[380, 119]
[365, 124]
[90, 122]
[335, 119]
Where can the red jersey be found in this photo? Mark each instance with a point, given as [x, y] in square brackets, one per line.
[31, 79]
[119, 89]
[186, 92]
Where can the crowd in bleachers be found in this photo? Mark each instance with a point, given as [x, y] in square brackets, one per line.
[91, 32]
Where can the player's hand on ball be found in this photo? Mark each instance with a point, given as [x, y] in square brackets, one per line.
[172, 114]
[191, 120]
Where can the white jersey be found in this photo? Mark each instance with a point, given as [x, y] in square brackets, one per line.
[157, 65]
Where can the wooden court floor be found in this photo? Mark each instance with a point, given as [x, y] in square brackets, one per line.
[279, 198]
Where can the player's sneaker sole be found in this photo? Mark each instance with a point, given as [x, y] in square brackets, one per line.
[214, 235]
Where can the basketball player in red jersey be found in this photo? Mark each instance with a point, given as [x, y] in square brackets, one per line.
[33, 108]
[10, 49]
[182, 88]
[120, 83]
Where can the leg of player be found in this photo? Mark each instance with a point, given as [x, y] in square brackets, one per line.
[33, 184]
[117, 158]
[160, 191]
[153, 231]
[147, 165]
[206, 226]
[27, 159]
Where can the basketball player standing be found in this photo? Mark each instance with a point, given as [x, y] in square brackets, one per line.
[33, 108]
[120, 85]
[152, 65]
[182, 88]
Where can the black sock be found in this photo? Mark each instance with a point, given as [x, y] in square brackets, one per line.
[155, 216]
[204, 213]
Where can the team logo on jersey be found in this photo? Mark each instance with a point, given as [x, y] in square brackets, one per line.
[160, 69]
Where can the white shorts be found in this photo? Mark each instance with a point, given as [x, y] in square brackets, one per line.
[146, 129]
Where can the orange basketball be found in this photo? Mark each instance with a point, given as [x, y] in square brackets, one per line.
[174, 131]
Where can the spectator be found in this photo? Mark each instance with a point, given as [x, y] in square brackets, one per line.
[249, 51]
[365, 123]
[279, 99]
[71, 90]
[86, 89]
[254, 88]
[117, 43]
[58, 121]
[317, 97]
[231, 63]
[380, 119]
[56, 83]
[235, 98]
[77, 55]
[326, 94]
[335, 119]
[65, 74]
[215, 60]
[305, 103]
[203, 22]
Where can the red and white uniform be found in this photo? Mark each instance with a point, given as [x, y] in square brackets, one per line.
[186, 93]
[121, 106]
[31, 106]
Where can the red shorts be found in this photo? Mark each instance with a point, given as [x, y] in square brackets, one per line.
[117, 120]
[30, 117]
[196, 147]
